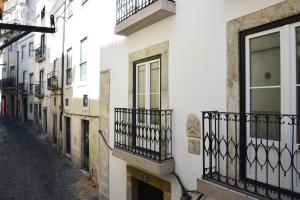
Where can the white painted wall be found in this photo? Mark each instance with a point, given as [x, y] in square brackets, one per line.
[197, 74]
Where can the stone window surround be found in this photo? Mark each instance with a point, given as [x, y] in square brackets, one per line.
[161, 49]
[264, 16]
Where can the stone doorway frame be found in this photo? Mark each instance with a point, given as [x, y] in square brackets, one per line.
[133, 173]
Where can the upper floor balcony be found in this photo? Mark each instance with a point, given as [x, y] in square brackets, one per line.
[8, 83]
[253, 154]
[52, 81]
[134, 15]
[23, 88]
[39, 89]
[40, 53]
[143, 138]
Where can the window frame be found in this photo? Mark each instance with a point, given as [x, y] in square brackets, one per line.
[83, 62]
[69, 67]
[30, 49]
[135, 78]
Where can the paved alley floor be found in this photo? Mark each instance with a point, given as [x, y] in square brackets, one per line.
[31, 168]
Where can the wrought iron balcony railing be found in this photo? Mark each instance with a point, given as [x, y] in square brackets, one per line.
[127, 8]
[31, 88]
[23, 88]
[8, 83]
[40, 53]
[39, 89]
[253, 153]
[52, 81]
[145, 133]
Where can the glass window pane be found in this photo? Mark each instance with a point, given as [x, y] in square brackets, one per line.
[265, 101]
[154, 67]
[141, 79]
[141, 101]
[154, 101]
[265, 60]
[83, 53]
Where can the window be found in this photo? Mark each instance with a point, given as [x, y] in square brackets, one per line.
[23, 52]
[70, 8]
[43, 13]
[43, 45]
[69, 67]
[30, 49]
[272, 80]
[24, 76]
[148, 87]
[40, 111]
[54, 101]
[83, 60]
[31, 83]
[30, 107]
[67, 102]
[41, 78]
[12, 72]
[3, 73]
[85, 101]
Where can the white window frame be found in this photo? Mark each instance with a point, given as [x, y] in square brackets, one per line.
[147, 83]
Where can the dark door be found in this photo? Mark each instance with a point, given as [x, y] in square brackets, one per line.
[148, 192]
[36, 122]
[12, 104]
[86, 159]
[45, 121]
[3, 105]
[68, 135]
[54, 131]
[25, 109]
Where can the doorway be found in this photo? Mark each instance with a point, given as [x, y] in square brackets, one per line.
[272, 90]
[68, 135]
[54, 129]
[12, 105]
[144, 191]
[25, 109]
[45, 121]
[3, 105]
[85, 133]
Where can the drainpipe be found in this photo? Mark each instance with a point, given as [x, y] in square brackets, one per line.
[17, 84]
[62, 72]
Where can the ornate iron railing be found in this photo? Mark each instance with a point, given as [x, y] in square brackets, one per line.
[31, 87]
[8, 83]
[23, 88]
[146, 133]
[39, 89]
[254, 153]
[40, 53]
[52, 81]
[126, 8]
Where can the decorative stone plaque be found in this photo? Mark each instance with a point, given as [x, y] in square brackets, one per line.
[194, 146]
[193, 126]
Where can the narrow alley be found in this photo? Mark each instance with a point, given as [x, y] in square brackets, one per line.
[31, 169]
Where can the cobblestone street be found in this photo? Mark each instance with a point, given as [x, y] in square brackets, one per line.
[31, 168]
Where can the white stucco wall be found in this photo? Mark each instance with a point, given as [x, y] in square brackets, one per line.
[197, 74]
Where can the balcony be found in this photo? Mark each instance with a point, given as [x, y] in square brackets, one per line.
[40, 54]
[52, 81]
[23, 88]
[143, 138]
[134, 15]
[39, 89]
[248, 155]
[8, 83]
[31, 89]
